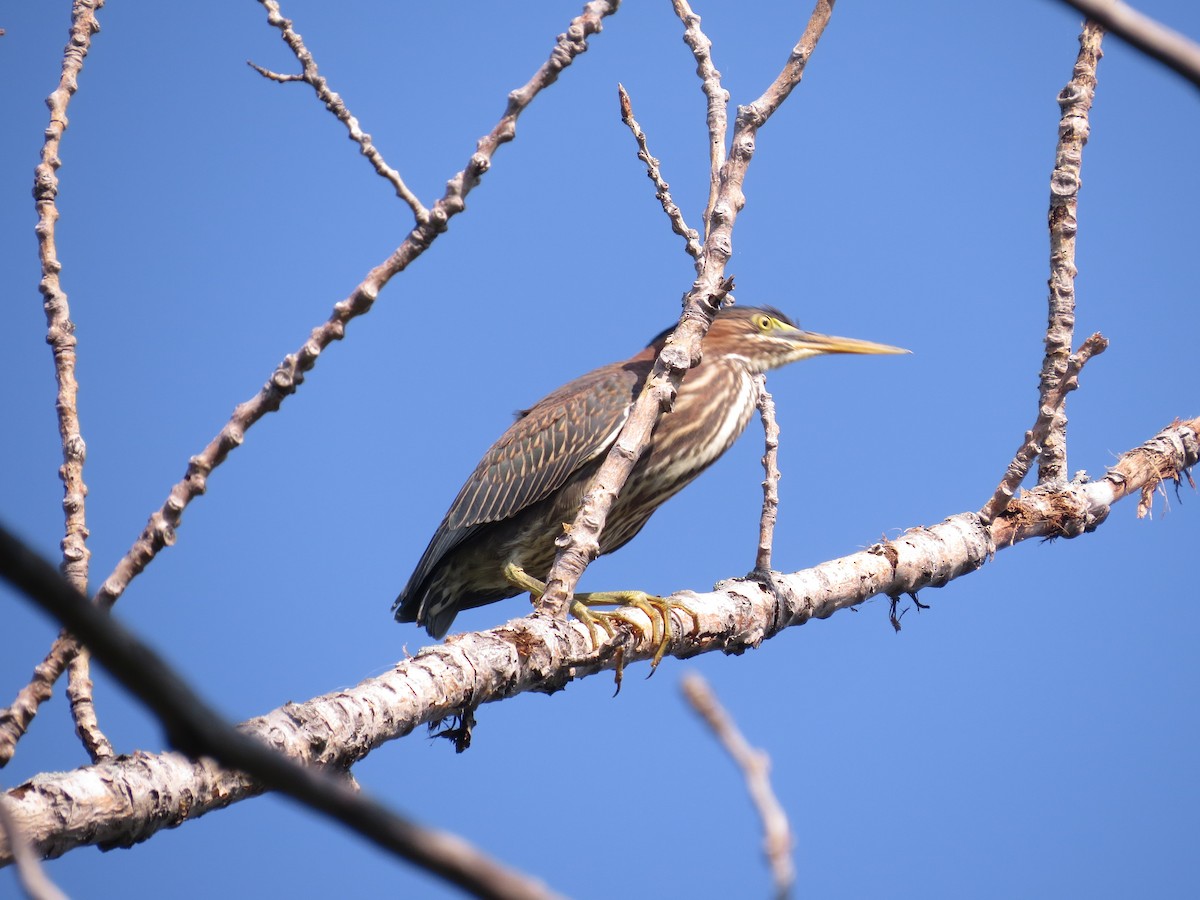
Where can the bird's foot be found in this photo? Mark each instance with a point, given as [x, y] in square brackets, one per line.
[656, 609]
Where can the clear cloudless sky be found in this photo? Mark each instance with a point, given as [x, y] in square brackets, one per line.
[1033, 733]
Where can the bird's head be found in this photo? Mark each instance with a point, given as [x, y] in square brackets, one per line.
[763, 338]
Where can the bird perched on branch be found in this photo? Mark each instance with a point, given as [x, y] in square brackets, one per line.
[499, 532]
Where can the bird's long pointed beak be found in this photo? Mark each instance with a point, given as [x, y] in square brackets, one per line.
[828, 343]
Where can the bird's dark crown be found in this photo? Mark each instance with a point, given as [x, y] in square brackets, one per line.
[740, 312]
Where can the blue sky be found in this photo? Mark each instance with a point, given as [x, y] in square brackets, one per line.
[1033, 733]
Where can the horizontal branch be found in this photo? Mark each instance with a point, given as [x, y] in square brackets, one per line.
[120, 802]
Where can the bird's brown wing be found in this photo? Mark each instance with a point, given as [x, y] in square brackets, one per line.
[546, 445]
[536, 456]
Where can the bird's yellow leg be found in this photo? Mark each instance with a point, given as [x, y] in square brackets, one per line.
[518, 577]
[656, 609]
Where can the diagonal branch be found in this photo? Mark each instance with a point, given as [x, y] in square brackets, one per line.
[756, 769]
[1172, 49]
[662, 190]
[197, 729]
[160, 530]
[580, 544]
[1035, 438]
[334, 103]
[126, 800]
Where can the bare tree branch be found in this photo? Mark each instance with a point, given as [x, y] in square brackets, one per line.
[580, 544]
[32, 876]
[662, 190]
[756, 769]
[1075, 100]
[333, 102]
[771, 476]
[198, 730]
[83, 708]
[718, 101]
[160, 530]
[1036, 436]
[61, 337]
[1169, 47]
[128, 799]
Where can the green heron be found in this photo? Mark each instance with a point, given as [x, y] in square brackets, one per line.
[503, 523]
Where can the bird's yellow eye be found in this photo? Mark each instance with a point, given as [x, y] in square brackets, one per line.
[764, 322]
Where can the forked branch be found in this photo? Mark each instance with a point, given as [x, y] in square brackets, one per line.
[580, 544]
[289, 375]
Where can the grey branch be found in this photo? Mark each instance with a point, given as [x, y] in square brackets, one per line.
[580, 544]
[196, 728]
[771, 475]
[1075, 100]
[160, 531]
[756, 769]
[36, 884]
[129, 799]
[1035, 438]
[1172, 49]
[334, 103]
[61, 338]
[717, 97]
[662, 190]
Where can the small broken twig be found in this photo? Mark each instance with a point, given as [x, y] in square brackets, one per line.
[334, 103]
[690, 236]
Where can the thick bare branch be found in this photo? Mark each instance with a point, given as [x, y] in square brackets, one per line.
[1169, 47]
[334, 103]
[1075, 100]
[580, 544]
[128, 799]
[196, 728]
[160, 530]
[32, 876]
[756, 769]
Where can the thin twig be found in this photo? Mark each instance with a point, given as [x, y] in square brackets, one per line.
[756, 768]
[160, 530]
[61, 338]
[1035, 438]
[1075, 100]
[195, 728]
[32, 876]
[580, 543]
[717, 96]
[662, 190]
[1156, 40]
[334, 103]
[770, 485]
[83, 708]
